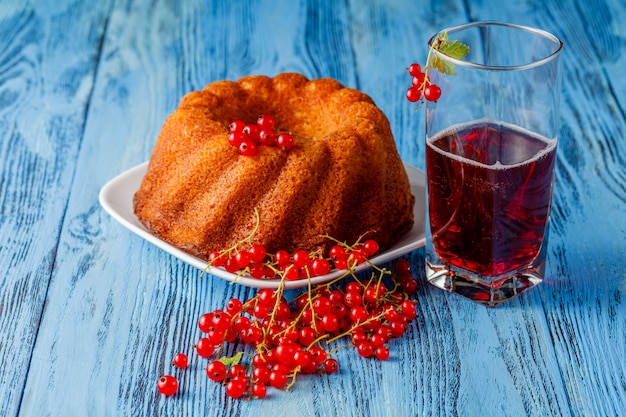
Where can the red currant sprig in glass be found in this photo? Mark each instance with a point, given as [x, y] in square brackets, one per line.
[246, 137]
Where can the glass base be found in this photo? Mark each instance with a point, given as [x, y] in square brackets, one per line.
[488, 291]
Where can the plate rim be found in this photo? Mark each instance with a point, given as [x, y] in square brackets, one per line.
[117, 193]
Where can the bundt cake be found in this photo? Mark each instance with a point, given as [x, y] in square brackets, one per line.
[342, 178]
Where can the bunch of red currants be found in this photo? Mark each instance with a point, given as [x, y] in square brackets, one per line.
[421, 87]
[278, 339]
[246, 137]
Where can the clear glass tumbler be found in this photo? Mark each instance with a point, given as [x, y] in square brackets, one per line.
[490, 153]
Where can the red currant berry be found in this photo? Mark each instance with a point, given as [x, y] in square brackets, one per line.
[320, 266]
[231, 334]
[282, 312]
[284, 141]
[302, 358]
[265, 121]
[402, 266]
[231, 265]
[247, 148]
[414, 69]
[330, 322]
[180, 360]
[204, 347]
[267, 297]
[355, 258]
[358, 314]
[216, 371]
[318, 354]
[310, 368]
[432, 92]
[234, 306]
[236, 126]
[259, 390]
[261, 374]
[216, 259]
[220, 320]
[278, 379]
[370, 247]
[257, 270]
[251, 131]
[235, 388]
[257, 253]
[397, 328]
[251, 335]
[358, 336]
[341, 264]
[353, 287]
[413, 94]
[330, 365]
[365, 349]
[167, 385]
[321, 305]
[285, 352]
[301, 258]
[282, 258]
[391, 314]
[242, 322]
[260, 361]
[236, 371]
[408, 309]
[281, 367]
[337, 252]
[409, 286]
[374, 293]
[377, 340]
[267, 138]
[382, 353]
[236, 138]
[307, 335]
[205, 322]
[385, 331]
[418, 80]
[261, 311]
[291, 273]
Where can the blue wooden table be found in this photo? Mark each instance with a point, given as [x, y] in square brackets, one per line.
[91, 315]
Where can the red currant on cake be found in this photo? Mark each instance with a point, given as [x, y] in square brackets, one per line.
[285, 141]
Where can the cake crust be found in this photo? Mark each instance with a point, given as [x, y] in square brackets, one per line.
[343, 177]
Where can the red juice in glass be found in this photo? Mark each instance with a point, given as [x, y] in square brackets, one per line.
[489, 196]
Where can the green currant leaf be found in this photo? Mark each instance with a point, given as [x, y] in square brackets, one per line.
[231, 360]
[443, 66]
[454, 49]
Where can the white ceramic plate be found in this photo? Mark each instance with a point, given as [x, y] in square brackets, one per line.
[116, 197]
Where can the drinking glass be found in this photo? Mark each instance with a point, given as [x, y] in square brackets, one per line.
[491, 142]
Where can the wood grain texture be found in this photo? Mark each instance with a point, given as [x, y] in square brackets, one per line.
[90, 315]
[46, 78]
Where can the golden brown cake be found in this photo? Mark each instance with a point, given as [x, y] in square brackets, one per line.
[342, 178]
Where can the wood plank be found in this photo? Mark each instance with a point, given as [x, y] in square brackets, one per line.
[580, 298]
[46, 77]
